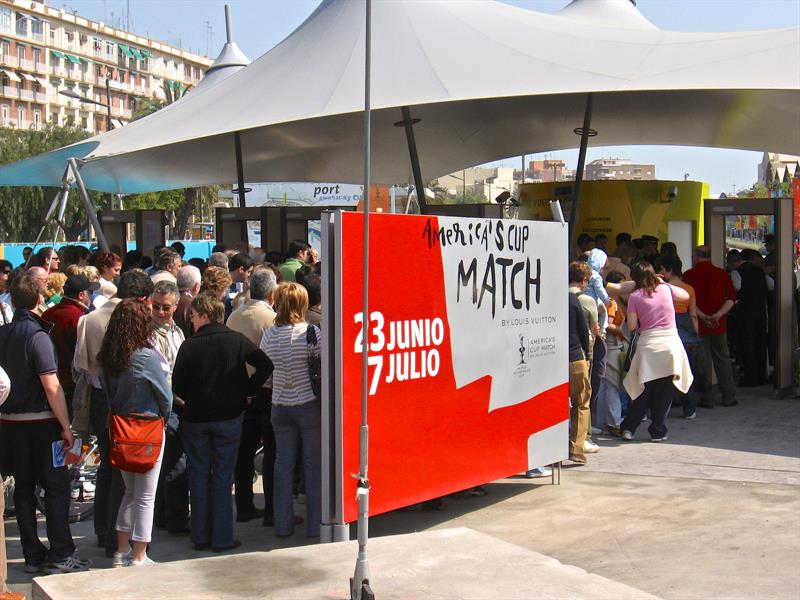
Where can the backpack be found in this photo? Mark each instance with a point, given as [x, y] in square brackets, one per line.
[314, 362]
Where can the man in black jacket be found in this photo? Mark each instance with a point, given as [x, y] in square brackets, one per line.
[211, 377]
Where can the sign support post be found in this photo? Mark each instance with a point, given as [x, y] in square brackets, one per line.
[359, 584]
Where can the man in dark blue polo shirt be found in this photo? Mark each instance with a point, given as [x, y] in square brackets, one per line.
[33, 417]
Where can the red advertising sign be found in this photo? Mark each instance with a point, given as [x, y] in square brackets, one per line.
[796, 194]
[468, 353]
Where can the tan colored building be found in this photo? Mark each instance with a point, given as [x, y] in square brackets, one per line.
[545, 171]
[778, 168]
[45, 50]
[619, 168]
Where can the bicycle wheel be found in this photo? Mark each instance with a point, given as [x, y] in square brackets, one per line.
[81, 504]
[8, 493]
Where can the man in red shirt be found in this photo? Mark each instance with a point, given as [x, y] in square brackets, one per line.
[64, 317]
[715, 297]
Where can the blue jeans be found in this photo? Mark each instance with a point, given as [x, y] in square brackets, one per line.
[211, 450]
[292, 424]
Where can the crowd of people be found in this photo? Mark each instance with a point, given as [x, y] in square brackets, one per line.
[222, 352]
[645, 335]
[219, 354]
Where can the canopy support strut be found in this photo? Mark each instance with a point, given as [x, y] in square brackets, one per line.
[585, 132]
[237, 142]
[87, 203]
[359, 584]
[419, 185]
[55, 213]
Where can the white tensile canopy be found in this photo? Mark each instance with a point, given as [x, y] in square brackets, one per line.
[486, 80]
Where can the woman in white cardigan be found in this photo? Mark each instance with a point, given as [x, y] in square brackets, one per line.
[659, 364]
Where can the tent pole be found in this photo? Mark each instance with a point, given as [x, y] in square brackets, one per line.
[419, 185]
[237, 142]
[359, 584]
[87, 203]
[585, 132]
[56, 208]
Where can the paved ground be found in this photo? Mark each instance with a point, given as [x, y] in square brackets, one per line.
[438, 564]
[712, 513]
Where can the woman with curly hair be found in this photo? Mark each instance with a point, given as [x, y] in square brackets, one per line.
[55, 287]
[217, 281]
[135, 384]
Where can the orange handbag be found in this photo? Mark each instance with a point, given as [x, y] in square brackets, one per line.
[135, 441]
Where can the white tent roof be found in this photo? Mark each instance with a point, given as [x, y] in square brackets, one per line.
[487, 80]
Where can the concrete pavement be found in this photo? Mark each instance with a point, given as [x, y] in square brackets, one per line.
[712, 513]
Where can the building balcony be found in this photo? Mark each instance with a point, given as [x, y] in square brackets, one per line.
[40, 67]
[41, 97]
[60, 71]
[8, 60]
[26, 64]
[27, 94]
[9, 91]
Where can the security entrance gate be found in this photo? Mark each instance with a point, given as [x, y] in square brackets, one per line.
[783, 210]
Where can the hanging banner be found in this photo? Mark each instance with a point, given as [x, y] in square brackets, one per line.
[468, 361]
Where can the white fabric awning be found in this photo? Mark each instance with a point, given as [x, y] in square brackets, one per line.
[28, 77]
[487, 80]
[11, 75]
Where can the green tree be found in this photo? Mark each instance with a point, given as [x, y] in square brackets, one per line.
[24, 208]
[759, 190]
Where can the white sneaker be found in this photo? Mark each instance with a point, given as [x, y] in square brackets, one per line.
[627, 436]
[661, 439]
[121, 559]
[539, 472]
[590, 447]
[146, 561]
[71, 564]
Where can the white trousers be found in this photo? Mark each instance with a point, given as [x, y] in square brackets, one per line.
[136, 511]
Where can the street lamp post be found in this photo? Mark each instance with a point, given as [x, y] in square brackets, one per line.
[85, 100]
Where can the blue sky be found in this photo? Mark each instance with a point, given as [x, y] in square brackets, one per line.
[199, 25]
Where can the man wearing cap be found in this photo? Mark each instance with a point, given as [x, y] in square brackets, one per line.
[649, 248]
[64, 317]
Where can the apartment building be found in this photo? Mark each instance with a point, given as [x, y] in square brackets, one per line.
[619, 168]
[45, 51]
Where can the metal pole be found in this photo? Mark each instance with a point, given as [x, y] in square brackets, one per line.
[87, 203]
[359, 585]
[109, 125]
[585, 132]
[419, 185]
[228, 23]
[237, 141]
